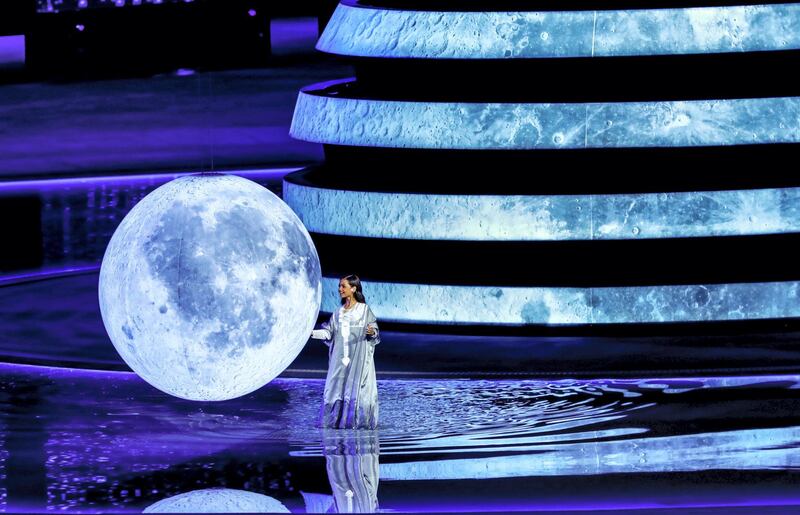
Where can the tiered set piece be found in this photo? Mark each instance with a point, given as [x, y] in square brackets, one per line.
[504, 163]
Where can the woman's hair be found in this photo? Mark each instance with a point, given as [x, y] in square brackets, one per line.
[354, 281]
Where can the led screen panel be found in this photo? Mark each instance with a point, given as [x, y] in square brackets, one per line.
[321, 116]
[375, 214]
[515, 306]
[389, 33]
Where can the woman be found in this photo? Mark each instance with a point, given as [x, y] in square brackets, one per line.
[351, 390]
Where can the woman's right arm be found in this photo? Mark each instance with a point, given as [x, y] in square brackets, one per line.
[326, 333]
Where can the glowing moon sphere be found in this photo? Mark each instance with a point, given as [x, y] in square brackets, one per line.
[218, 500]
[210, 287]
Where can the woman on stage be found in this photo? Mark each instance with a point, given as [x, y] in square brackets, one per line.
[351, 389]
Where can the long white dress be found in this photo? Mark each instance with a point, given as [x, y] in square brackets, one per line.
[351, 389]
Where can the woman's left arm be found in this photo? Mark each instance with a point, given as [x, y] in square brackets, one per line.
[372, 322]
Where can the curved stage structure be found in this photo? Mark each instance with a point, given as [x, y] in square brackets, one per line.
[325, 114]
[359, 30]
[447, 304]
[542, 217]
[679, 223]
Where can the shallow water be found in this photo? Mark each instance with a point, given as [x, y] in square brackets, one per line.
[85, 441]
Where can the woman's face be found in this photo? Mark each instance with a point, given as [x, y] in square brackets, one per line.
[345, 289]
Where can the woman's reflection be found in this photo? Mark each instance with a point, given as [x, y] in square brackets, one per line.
[351, 459]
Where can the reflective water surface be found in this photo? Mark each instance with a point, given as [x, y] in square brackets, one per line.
[86, 441]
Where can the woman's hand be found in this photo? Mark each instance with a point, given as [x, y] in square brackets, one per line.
[370, 331]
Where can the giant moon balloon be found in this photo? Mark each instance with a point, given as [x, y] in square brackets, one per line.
[218, 500]
[210, 287]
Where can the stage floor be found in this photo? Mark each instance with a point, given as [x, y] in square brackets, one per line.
[185, 120]
[469, 421]
[82, 441]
